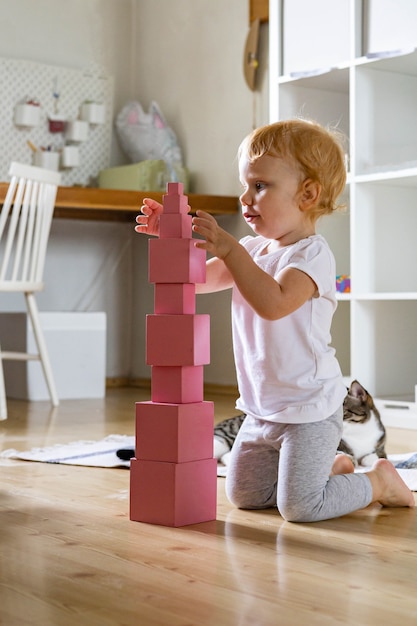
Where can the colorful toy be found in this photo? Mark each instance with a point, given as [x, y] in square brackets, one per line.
[343, 283]
[173, 477]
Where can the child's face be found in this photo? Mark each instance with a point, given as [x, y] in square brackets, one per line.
[271, 199]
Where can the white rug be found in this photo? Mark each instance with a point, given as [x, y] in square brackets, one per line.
[102, 453]
[88, 453]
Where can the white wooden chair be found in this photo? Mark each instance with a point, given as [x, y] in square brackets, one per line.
[25, 221]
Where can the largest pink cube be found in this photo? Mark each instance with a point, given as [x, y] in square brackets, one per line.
[173, 494]
[177, 339]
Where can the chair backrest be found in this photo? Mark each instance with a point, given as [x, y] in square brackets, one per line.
[25, 222]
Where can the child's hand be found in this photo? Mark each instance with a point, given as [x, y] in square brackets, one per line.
[217, 241]
[148, 220]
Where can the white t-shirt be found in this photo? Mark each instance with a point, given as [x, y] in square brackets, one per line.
[287, 372]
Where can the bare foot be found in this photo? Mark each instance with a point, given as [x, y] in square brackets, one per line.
[342, 465]
[388, 487]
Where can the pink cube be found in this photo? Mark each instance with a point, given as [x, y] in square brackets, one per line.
[175, 433]
[173, 494]
[177, 384]
[177, 339]
[173, 225]
[174, 200]
[176, 261]
[174, 298]
[175, 188]
[175, 204]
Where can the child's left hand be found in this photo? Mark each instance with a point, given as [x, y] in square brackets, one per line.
[217, 241]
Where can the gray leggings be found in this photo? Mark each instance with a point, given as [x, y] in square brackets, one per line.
[288, 466]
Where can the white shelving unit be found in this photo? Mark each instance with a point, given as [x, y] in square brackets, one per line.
[370, 93]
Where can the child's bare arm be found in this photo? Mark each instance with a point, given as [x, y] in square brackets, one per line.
[271, 298]
[218, 277]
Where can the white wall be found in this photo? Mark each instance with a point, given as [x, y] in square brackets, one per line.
[188, 56]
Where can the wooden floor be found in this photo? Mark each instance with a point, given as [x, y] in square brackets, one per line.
[70, 556]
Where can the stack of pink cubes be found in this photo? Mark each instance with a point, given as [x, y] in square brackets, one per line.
[173, 477]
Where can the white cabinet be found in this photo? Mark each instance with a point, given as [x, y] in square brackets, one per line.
[368, 90]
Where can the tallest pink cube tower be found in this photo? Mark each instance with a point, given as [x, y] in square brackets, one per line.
[173, 477]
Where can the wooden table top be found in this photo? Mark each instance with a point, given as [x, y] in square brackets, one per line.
[121, 205]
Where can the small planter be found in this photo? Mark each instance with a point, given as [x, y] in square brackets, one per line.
[93, 112]
[27, 115]
[47, 159]
[70, 157]
[56, 123]
[76, 131]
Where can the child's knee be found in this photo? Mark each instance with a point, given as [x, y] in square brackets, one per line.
[239, 499]
[297, 511]
[244, 499]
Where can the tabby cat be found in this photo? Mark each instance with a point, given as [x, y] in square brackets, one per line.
[363, 438]
[364, 434]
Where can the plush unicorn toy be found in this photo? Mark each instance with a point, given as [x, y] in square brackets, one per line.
[147, 136]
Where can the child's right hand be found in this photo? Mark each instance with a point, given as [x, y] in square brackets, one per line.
[148, 219]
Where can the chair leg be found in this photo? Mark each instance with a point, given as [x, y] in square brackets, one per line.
[43, 351]
[3, 401]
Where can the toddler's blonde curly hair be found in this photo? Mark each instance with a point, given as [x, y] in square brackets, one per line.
[317, 152]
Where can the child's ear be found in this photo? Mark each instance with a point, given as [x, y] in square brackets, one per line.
[309, 194]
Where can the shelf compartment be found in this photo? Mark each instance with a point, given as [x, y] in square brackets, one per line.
[386, 120]
[384, 347]
[385, 255]
[389, 25]
[322, 98]
[332, 36]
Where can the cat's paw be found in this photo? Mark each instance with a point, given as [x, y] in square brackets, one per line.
[226, 458]
[220, 448]
[368, 460]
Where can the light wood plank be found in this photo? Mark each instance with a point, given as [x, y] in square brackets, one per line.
[69, 554]
[123, 205]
